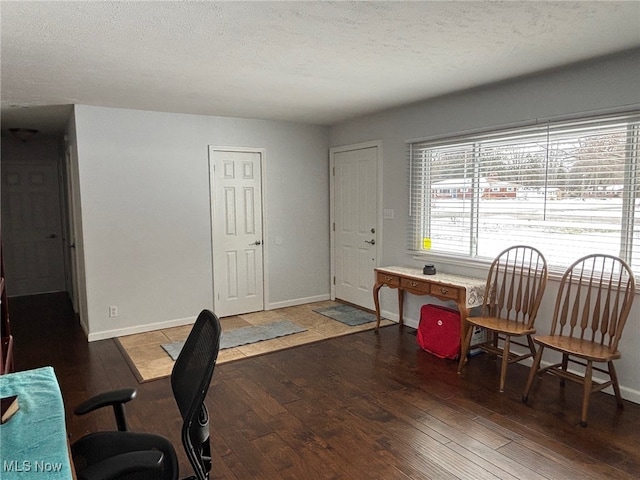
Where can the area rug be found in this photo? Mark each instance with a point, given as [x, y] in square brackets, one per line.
[244, 336]
[149, 361]
[347, 314]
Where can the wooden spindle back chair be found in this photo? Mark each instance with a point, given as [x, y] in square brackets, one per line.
[515, 285]
[592, 306]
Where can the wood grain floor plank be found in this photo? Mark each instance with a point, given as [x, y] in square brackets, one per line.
[493, 461]
[363, 406]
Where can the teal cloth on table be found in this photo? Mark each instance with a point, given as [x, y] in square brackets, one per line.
[34, 440]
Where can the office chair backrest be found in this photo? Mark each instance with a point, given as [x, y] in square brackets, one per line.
[190, 380]
[594, 300]
[515, 284]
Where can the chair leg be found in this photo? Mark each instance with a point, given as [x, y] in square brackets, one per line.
[532, 374]
[615, 384]
[505, 361]
[565, 365]
[464, 348]
[495, 339]
[532, 346]
[588, 382]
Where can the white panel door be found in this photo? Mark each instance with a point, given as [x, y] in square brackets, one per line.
[355, 237]
[237, 231]
[31, 228]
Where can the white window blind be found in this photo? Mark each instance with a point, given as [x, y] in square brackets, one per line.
[568, 188]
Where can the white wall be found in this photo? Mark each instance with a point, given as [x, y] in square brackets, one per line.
[604, 84]
[144, 189]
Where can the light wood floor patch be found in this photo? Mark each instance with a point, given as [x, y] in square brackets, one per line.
[149, 361]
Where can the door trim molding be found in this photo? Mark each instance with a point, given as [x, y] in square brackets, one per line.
[263, 184]
[332, 218]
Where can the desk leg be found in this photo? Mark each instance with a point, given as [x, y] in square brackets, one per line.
[464, 313]
[376, 301]
[400, 306]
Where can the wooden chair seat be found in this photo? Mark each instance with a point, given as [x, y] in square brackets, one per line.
[502, 325]
[578, 347]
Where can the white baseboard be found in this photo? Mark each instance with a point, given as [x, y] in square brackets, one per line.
[297, 301]
[391, 315]
[629, 394]
[120, 332]
[149, 327]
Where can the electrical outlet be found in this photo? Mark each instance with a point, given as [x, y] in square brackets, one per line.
[113, 311]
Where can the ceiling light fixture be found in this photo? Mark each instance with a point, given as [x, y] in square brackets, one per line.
[23, 134]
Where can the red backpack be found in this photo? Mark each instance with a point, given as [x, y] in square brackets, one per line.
[439, 331]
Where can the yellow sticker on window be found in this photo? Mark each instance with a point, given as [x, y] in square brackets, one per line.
[426, 243]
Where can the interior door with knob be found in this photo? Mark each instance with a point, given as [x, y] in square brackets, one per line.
[236, 194]
[32, 228]
[355, 245]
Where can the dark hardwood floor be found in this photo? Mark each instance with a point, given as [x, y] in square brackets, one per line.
[364, 406]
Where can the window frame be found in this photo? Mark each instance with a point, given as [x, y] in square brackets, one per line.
[474, 141]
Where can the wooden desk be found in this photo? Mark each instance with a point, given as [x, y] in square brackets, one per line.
[467, 292]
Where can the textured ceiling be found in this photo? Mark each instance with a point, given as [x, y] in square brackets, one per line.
[313, 62]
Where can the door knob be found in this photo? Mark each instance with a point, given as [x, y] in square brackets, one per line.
[257, 242]
[53, 235]
[372, 242]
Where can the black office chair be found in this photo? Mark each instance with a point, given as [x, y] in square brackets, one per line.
[143, 456]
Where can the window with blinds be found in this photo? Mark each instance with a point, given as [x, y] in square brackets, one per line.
[568, 188]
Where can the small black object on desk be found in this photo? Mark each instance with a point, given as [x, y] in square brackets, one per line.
[429, 269]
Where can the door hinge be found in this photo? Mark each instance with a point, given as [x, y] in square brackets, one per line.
[334, 226]
[334, 280]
